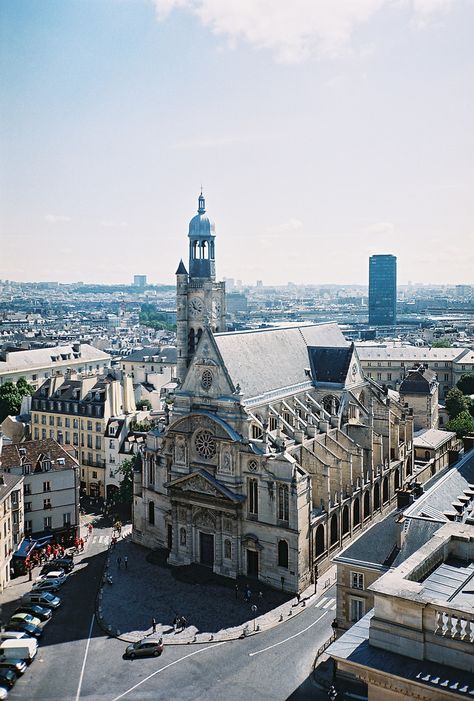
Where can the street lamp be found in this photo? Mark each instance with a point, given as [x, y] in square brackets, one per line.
[254, 610]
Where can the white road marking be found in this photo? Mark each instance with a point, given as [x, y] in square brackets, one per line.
[328, 604]
[325, 598]
[162, 669]
[333, 607]
[252, 654]
[85, 658]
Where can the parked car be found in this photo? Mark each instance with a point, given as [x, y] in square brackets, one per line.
[47, 585]
[19, 649]
[41, 612]
[17, 666]
[26, 618]
[12, 635]
[3, 693]
[7, 678]
[54, 574]
[59, 563]
[23, 627]
[145, 648]
[41, 598]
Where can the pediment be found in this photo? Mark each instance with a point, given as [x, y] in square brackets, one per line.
[201, 482]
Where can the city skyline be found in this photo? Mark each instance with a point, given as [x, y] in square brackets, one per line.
[324, 137]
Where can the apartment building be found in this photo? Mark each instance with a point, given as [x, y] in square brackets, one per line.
[76, 411]
[388, 364]
[39, 364]
[152, 369]
[11, 521]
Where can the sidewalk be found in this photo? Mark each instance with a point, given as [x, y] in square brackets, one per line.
[148, 588]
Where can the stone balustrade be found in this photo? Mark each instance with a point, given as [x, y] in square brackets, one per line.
[454, 625]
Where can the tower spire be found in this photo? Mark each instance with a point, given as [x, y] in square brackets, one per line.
[201, 203]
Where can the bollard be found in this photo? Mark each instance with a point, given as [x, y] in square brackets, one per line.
[257, 628]
[290, 612]
[303, 604]
[281, 617]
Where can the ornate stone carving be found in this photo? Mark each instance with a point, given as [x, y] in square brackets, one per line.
[199, 484]
[226, 462]
[204, 517]
[182, 514]
[227, 525]
[180, 451]
[205, 444]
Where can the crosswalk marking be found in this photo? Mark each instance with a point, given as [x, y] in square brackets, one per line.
[329, 604]
[325, 598]
[333, 607]
[100, 539]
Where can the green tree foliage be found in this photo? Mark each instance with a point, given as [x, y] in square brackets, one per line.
[456, 403]
[144, 404]
[124, 493]
[442, 343]
[11, 395]
[141, 426]
[463, 423]
[466, 383]
[149, 316]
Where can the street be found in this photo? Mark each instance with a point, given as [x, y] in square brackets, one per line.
[77, 660]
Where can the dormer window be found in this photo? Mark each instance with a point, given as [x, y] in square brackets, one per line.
[26, 469]
[46, 466]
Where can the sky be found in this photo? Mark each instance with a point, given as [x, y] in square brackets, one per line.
[322, 132]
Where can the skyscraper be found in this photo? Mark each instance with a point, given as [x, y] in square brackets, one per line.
[383, 290]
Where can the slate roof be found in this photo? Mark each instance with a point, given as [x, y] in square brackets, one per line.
[12, 455]
[330, 364]
[273, 359]
[418, 382]
[354, 647]
[8, 483]
[165, 354]
[411, 353]
[181, 268]
[378, 545]
[431, 438]
[38, 358]
[65, 392]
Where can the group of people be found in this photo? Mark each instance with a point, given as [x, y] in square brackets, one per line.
[247, 593]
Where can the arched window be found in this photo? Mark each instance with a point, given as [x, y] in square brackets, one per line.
[151, 513]
[408, 467]
[191, 341]
[283, 554]
[345, 520]
[396, 481]
[334, 530]
[182, 536]
[331, 404]
[427, 455]
[385, 490]
[366, 505]
[356, 512]
[283, 503]
[320, 547]
[227, 549]
[376, 496]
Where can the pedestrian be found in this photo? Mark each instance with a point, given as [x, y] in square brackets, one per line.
[260, 595]
[81, 543]
[125, 562]
[298, 597]
[153, 625]
[119, 561]
[90, 528]
[236, 591]
[248, 593]
[183, 622]
[175, 623]
[30, 573]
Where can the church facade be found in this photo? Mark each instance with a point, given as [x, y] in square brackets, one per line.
[277, 451]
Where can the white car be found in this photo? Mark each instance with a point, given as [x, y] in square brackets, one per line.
[12, 635]
[53, 575]
[3, 693]
[47, 585]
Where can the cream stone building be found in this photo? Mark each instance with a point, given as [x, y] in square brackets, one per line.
[11, 521]
[417, 642]
[419, 389]
[278, 449]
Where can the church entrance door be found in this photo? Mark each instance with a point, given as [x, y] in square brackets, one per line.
[206, 543]
[252, 563]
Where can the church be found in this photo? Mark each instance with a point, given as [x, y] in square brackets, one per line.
[277, 450]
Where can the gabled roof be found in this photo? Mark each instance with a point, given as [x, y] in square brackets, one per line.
[32, 452]
[329, 364]
[203, 481]
[57, 357]
[418, 381]
[431, 438]
[273, 359]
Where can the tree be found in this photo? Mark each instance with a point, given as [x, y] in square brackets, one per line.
[11, 395]
[442, 343]
[124, 493]
[456, 403]
[144, 404]
[462, 424]
[466, 383]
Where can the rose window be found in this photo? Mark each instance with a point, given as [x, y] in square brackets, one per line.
[252, 466]
[206, 379]
[205, 444]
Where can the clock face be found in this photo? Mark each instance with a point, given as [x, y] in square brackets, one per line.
[196, 306]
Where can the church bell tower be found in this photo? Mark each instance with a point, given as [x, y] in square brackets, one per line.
[200, 300]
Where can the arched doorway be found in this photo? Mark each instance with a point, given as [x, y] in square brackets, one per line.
[320, 540]
[366, 505]
[385, 490]
[356, 512]
[376, 496]
[334, 530]
[345, 520]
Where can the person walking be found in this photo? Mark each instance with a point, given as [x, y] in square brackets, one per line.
[236, 591]
[119, 561]
[153, 625]
[125, 562]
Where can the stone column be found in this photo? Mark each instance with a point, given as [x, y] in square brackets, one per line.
[218, 544]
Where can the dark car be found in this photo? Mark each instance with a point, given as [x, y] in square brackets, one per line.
[59, 563]
[41, 612]
[7, 677]
[21, 626]
[145, 648]
[17, 666]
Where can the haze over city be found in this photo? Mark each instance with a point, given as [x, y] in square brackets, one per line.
[332, 132]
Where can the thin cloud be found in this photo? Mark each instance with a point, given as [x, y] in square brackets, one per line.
[294, 30]
[57, 219]
[111, 224]
[381, 227]
[286, 227]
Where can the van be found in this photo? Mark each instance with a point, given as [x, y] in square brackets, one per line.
[42, 598]
[19, 649]
[12, 635]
